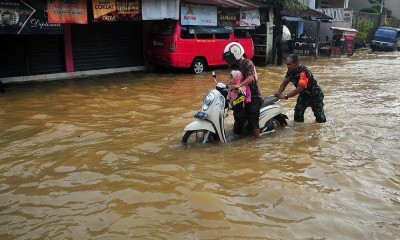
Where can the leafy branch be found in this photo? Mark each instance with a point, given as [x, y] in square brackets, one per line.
[288, 4]
[363, 27]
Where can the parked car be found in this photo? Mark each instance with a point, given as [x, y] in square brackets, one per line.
[193, 47]
[386, 39]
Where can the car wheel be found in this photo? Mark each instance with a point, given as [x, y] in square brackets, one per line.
[198, 66]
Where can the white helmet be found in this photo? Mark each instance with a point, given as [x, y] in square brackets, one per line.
[232, 52]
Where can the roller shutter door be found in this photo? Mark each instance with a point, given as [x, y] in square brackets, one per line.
[107, 45]
[46, 54]
[13, 60]
[22, 55]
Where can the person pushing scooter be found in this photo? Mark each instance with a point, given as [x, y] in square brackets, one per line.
[310, 93]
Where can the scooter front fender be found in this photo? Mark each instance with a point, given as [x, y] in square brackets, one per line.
[199, 125]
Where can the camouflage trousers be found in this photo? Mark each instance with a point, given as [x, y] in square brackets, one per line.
[316, 102]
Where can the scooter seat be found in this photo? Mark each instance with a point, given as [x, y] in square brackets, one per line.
[269, 101]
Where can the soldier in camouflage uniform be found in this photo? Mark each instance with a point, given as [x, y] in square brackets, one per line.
[310, 93]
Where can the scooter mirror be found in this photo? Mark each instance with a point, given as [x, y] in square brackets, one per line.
[214, 76]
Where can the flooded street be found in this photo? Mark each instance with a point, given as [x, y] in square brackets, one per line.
[100, 158]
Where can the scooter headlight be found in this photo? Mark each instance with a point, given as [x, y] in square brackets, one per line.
[207, 101]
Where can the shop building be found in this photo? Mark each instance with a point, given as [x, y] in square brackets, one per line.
[44, 40]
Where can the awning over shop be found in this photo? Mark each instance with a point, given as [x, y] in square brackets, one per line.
[158, 10]
[344, 29]
[293, 19]
[308, 14]
[248, 4]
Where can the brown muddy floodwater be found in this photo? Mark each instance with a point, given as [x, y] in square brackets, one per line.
[99, 158]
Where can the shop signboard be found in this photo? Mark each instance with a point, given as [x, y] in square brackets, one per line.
[228, 17]
[26, 17]
[250, 18]
[67, 11]
[200, 15]
[116, 10]
[348, 16]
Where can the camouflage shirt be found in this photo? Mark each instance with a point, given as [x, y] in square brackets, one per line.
[312, 87]
[246, 66]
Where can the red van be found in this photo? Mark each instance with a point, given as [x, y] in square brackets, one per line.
[193, 47]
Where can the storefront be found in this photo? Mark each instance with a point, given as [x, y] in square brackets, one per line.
[23, 55]
[29, 44]
[107, 45]
[62, 39]
[36, 38]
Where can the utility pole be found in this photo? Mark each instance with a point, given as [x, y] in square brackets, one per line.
[383, 14]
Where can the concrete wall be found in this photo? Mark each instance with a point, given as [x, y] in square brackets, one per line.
[393, 5]
[325, 29]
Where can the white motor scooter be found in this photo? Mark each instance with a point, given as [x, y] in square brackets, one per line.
[209, 125]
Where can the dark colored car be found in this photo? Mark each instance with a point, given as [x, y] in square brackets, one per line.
[386, 39]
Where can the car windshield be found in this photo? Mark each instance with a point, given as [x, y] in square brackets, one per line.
[386, 33]
[163, 27]
[210, 29]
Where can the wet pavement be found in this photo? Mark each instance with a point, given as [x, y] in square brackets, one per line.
[100, 158]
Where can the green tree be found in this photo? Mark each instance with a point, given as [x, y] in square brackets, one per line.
[369, 10]
[363, 27]
[288, 4]
[375, 2]
[376, 8]
[277, 49]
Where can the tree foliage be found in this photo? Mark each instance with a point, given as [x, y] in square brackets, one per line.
[375, 1]
[277, 49]
[288, 4]
[376, 4]
[376, 9]
[369, 10]
[363, 27]
[275, 2]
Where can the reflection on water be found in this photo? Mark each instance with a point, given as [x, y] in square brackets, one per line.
[100, 158]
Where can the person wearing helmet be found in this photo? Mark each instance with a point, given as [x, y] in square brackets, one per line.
[233, 56]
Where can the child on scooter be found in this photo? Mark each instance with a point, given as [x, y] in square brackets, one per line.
[240, 96]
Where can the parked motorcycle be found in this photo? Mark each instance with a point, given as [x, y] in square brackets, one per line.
[209, 126]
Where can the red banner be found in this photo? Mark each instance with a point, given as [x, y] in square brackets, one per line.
[67, 11]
